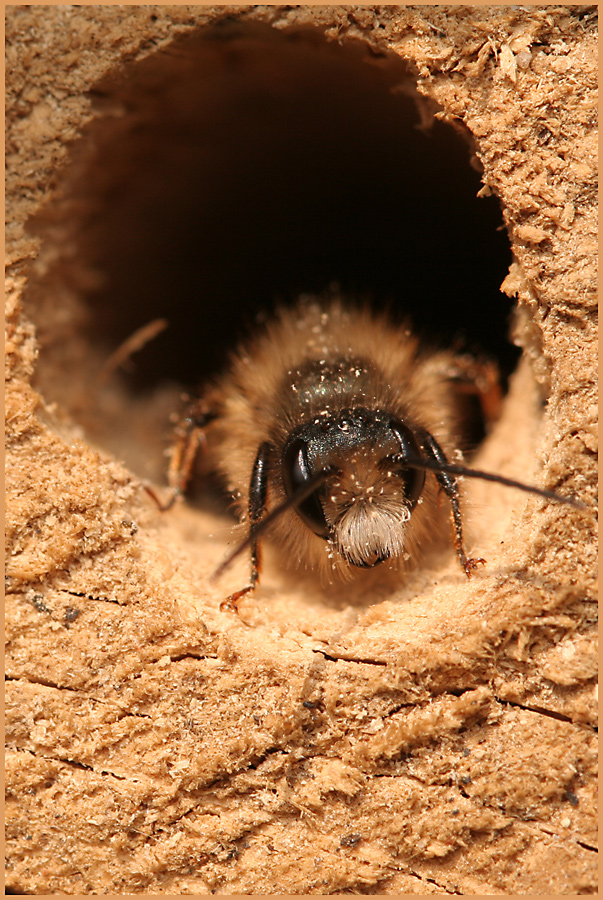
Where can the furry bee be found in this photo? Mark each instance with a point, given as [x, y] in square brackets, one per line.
[325, 429]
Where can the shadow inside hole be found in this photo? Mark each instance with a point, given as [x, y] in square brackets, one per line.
[244, 165]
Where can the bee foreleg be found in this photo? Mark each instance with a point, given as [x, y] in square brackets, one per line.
[258, 490]
[449, 485]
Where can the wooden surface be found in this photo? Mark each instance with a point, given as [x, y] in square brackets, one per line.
[434, 739]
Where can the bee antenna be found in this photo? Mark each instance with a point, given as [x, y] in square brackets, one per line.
[258, 527]
[430, 465]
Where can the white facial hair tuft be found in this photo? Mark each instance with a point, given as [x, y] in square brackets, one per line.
[369, 531]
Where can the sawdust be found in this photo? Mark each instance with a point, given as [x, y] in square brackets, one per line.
[439, 739]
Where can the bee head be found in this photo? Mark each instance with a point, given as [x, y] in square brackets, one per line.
[362, 504]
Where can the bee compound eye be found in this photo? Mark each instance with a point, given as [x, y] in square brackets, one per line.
[414, 479]
[296, 474]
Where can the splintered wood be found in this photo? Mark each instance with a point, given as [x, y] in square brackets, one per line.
[433, 736]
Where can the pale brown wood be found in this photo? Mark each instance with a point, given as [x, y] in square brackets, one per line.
[434, 739]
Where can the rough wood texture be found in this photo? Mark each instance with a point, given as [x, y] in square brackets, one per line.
[442, 745]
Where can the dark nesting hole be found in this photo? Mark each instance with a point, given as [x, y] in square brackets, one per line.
[244, 165]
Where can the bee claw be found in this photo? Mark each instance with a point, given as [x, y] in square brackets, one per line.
[471, 564]
[230, 603]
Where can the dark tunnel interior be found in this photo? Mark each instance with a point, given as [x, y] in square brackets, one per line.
[244, 165]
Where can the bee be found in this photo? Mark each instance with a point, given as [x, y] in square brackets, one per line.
[333, 429]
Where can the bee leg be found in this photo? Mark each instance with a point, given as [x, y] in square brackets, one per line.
[480, 379]
[189, 438]
[258, 489]
[449, 485]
